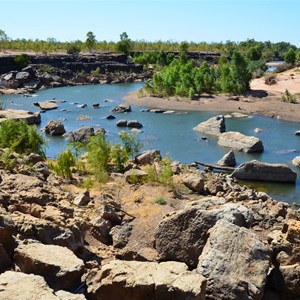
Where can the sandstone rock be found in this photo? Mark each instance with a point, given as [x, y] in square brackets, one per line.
[129, 280]
[235, 263]
[122, 123]
[240, 142]
[47, 105]
[256, 170]
[213, 126]
[193, 182]
[58, 265]
[20, 286]
[182, 235]
[63, 295]
[147, 157]
[135, 176]
[291, 277]
[228, 160]
[55, 128]
[296, 161]
[82, 199]
[27, 116]
[122, 108]
[134, 124]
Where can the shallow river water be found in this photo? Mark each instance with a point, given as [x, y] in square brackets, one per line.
[171, 133]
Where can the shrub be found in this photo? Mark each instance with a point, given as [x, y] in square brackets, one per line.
[20, 137]
[288, 97]
[45, 68]
[131, 142]
[63, 165]
[22, 60]
[96, 72]
[160, 200]
[119, 157]
[73, 50]
[271, 79]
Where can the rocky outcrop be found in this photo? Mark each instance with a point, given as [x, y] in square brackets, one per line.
[240, 142]
[58, 265]
[181, 236]
[228, 160]
[213, 126]
[147, 157]
[30, 117]
[235, 263]
[256, 170]
[55, 128]
[129, 280]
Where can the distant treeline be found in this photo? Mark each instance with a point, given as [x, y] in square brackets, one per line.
[266, 50]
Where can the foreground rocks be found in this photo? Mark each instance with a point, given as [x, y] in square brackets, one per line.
[129, 280]
[256, 170]
[30, 117]
[240, 142]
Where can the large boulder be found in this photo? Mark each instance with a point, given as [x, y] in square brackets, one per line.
[147, 157]
[23, 77]
[21, 286]
[228, 160]
[47, 105]
[80, 135]
[240, 142]
[213, 126]
[235, 263]
[182, 235]
[55, 128]
[58, 265]
[194, 182]
[15, 114]
[129, 280]
[135, 176]
[122, 108]
[256, 170]
[134, 124]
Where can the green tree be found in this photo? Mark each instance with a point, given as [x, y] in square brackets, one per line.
[90, 40]
[183, 48]
[22, 60]
[124, 45]
[254, 53]
[290, 56]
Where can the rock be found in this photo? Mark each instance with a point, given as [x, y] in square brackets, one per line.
[5, 261]
[122, 123]
[83, 118]
[63, 295]
[23, 77]
[30, 117]
[296, 161]
[129, 280]
[182, 235]
[120, 235]
[122, 108]
[297, 132]
[291, 277]
[135, 176]
[55, 128]
[147, 157]
[99, 131]
[239, 115]
[82, 134]
[256, 170]
[34, 158]
[194, 182]
[58, 265]
[82, 105]
[134, 124]
[235, 263]
[20, 286]
[47, 105]
[110, 211]
[156, 111]
[169, 112]
[96, 105]
[257, 130]
[100, 229]
[228, 160]
[240, 142]
[110, 117]
[213, 126]
[82, 199]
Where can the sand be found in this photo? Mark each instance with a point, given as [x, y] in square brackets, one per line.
[271, 105]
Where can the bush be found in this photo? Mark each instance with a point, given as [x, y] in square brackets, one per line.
[119, 157]
[131, 142]
[270, 80]
[73, 50]
[96, 72]
[22, 60]
[160, 200]
[20, 137]
[63, 165]
[46, 69]
[288, 97]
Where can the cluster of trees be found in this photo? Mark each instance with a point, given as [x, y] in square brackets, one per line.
[185, 78]
[264, 50]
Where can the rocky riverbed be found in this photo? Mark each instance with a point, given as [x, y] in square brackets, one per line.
[203, 237]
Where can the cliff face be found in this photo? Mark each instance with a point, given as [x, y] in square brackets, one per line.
[106, 62]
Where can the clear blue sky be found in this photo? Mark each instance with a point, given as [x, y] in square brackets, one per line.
[190, 20]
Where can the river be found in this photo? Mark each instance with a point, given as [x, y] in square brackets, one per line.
[171, 133]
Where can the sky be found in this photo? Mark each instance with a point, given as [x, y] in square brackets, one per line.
[188, 20]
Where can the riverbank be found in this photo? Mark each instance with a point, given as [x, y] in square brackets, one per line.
[262, 99]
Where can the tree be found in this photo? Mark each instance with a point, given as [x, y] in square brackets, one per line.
[90, 40]
[290, 56]
[183, 47]
[254, 53]
[124, 45]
